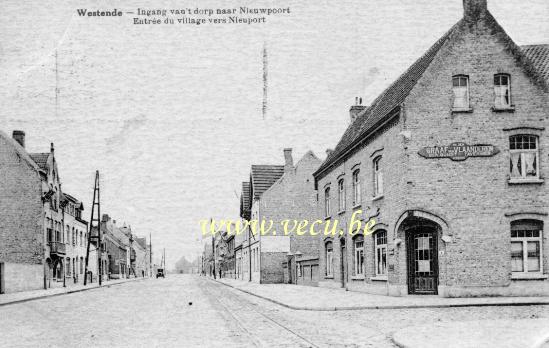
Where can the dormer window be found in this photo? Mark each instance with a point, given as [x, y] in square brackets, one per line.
[502, 91]
[460, 88]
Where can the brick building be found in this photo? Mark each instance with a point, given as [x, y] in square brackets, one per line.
[261, 260]
[141, 265]
[292, 197]
[451, 161]
[277, 193]
[23, 218]
[242, 262]
[76, 238]
[116, 244]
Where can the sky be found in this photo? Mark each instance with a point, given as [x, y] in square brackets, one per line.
[171, 115]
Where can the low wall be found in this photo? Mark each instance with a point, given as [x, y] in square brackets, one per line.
[22, 277]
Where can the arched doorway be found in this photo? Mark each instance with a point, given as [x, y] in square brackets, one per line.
[421, 236]
[422, 258]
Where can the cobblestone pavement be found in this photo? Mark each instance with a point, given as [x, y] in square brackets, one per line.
[157, 313]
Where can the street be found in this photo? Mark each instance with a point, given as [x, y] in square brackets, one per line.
[159, 313]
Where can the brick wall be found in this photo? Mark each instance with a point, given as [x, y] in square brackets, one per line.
[471, 200]
[21, 220]
[474, 196]
[292, 197]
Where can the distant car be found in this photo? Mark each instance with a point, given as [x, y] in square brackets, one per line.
[160, 273]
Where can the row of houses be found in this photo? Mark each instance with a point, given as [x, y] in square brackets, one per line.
[43, 236]
[451, 161]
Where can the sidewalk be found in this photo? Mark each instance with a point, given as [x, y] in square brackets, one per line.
[323, 299]
[478, 333]
[23, 296]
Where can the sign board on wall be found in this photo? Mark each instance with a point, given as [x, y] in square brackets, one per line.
[458, 151]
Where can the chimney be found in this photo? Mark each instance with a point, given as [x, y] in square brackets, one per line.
[51, 147]
[356, 109]
[329, 152]
[474, 9]
[19, 136]
[288, 160]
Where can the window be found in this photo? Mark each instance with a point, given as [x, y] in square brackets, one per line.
[378, 177]
[68, 266]
[299, 270]
[49, 229]
[81, 239]
[359, 255]
[341, 194]
[460, 88]
[502, 91]
[524, 156]
[381, 253]
[73, 237]
[526, 236]
[356, 188]
[81, 265]
[327, 201]
[329, 259]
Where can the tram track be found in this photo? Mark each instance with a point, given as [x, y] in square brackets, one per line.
[263, 330]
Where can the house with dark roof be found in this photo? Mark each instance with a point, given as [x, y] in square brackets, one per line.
[450, 162]
[276, 193]
[239, 238]
[255, 265]
[32, 238]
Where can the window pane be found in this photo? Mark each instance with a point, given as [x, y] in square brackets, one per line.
[516, 257]
[460, 97]
[533, 257]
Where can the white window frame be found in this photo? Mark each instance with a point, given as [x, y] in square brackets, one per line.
[524, 241]
[357, 199]
[378, 177]
[341, 195]
[358, 256]
[458, 90]
[501, 91]
[327, 201]
[522, 157]
[329, 258]
[380, 249]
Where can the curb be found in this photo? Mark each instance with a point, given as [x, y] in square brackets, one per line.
[347, 308]
[66, 293]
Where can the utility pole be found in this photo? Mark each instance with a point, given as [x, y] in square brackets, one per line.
[150, 255]
[265, 82]
[96, 202]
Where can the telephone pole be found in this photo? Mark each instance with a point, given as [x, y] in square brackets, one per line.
[98, 239]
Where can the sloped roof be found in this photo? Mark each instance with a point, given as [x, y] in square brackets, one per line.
[41, 159]
[385, 104]
[245, 200]
[20, 150]
[533, 59]
[539, 57]
[264, 176]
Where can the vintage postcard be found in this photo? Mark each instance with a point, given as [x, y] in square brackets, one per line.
[274, 173]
